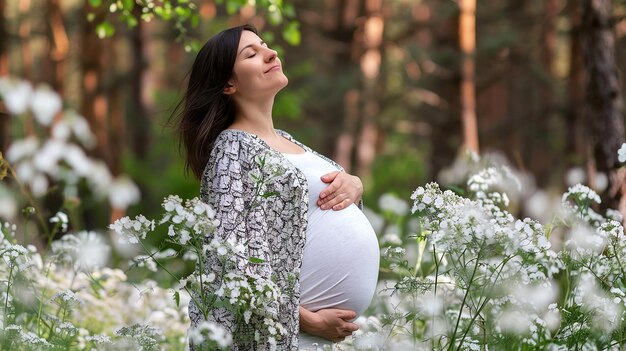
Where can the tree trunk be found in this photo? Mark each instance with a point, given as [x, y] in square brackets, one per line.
[140, 127]
[370, 45]
[4, 71]
[576, 139]
[94, 101]
[467, 41]
[603, 96]
[59, 45]
[447, 132]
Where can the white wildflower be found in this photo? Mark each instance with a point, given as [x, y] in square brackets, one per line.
[391, 203]
[621, 153]
[45, 104]
[123, 192]
[16, 94]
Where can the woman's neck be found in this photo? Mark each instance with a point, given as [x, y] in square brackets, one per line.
[256, 119]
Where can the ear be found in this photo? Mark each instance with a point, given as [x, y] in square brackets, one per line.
[229, 89]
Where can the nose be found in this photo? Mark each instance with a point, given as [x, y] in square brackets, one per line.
[270, 55]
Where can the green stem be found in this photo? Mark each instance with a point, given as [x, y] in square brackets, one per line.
[30, 200]
[40, 309]
[6, 300]
[484, 303]
[621, 268]
[435, 292]
[467, 291]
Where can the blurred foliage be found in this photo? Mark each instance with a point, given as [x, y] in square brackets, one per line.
[184, 16]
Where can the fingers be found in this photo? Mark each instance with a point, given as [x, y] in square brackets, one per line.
[345, 314]
[329, 177]
[330, 190]
[336, 201]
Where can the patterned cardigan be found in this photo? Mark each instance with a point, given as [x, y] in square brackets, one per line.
[274, 228]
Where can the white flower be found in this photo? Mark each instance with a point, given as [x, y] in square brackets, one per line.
[184, 236]
[621, 153]
[391, 203]
[575, 176]
[39, 185]
[85, 250]
[99, 177]
[123, 193]
[47, 159]
[93, 253]
[76, 158]
[171, 202]
[8, 205]
[22, 148]
[60, 218]
[16, 94]
[45, 104]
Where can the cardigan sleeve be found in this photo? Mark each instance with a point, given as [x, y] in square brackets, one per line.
[229, 187]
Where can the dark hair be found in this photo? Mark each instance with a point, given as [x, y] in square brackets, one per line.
[206, 110]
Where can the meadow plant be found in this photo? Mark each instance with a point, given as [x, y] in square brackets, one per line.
[472, 276]
[67, 299]
[244, 293]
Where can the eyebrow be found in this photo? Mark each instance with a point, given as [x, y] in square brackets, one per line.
[249, 45]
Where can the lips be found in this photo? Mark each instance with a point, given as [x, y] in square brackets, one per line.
[272, 68]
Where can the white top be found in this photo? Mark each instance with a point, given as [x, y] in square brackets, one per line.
[341, 255]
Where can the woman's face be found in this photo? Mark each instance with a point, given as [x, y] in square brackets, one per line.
[258, 71]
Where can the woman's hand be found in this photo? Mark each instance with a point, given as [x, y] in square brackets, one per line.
[344, 190]
[331, 323]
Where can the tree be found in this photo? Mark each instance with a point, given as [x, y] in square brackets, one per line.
[604, 101]
[467, 38]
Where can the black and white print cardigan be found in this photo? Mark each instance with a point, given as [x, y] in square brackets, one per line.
[274, 229]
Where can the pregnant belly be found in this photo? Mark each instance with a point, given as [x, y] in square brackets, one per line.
[340, 261]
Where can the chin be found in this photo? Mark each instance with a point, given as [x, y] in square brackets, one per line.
[282, 83]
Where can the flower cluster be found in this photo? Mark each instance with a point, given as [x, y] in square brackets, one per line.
[130, 231]
[194, 219]
[85, 250]
[477, 277]
[61, 156]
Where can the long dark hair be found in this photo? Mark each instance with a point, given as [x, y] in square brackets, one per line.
[206, 110]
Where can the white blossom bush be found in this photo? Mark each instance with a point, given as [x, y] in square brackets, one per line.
[55, 151]
[247, 295]
[69, 300]
[66, 298]
[471, 276]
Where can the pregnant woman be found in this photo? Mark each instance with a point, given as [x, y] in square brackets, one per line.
[313, 239]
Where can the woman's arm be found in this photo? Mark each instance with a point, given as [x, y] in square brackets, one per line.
[331, 323]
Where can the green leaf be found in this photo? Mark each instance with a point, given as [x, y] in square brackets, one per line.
[289, 10]
[177, 298]
[275, 17]
[104, 30]
[232, 7]
[132, 21]
[270, 194]
[268, 37]
[95, 3]
[182, 12]
[128, 4]
[291, 33]
[256, 260]
[195, 20]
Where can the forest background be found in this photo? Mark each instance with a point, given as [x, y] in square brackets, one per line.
[395, 91]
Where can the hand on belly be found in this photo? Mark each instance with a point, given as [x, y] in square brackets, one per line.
[330, 324]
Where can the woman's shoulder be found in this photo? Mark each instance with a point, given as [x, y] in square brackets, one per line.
[235, 138]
